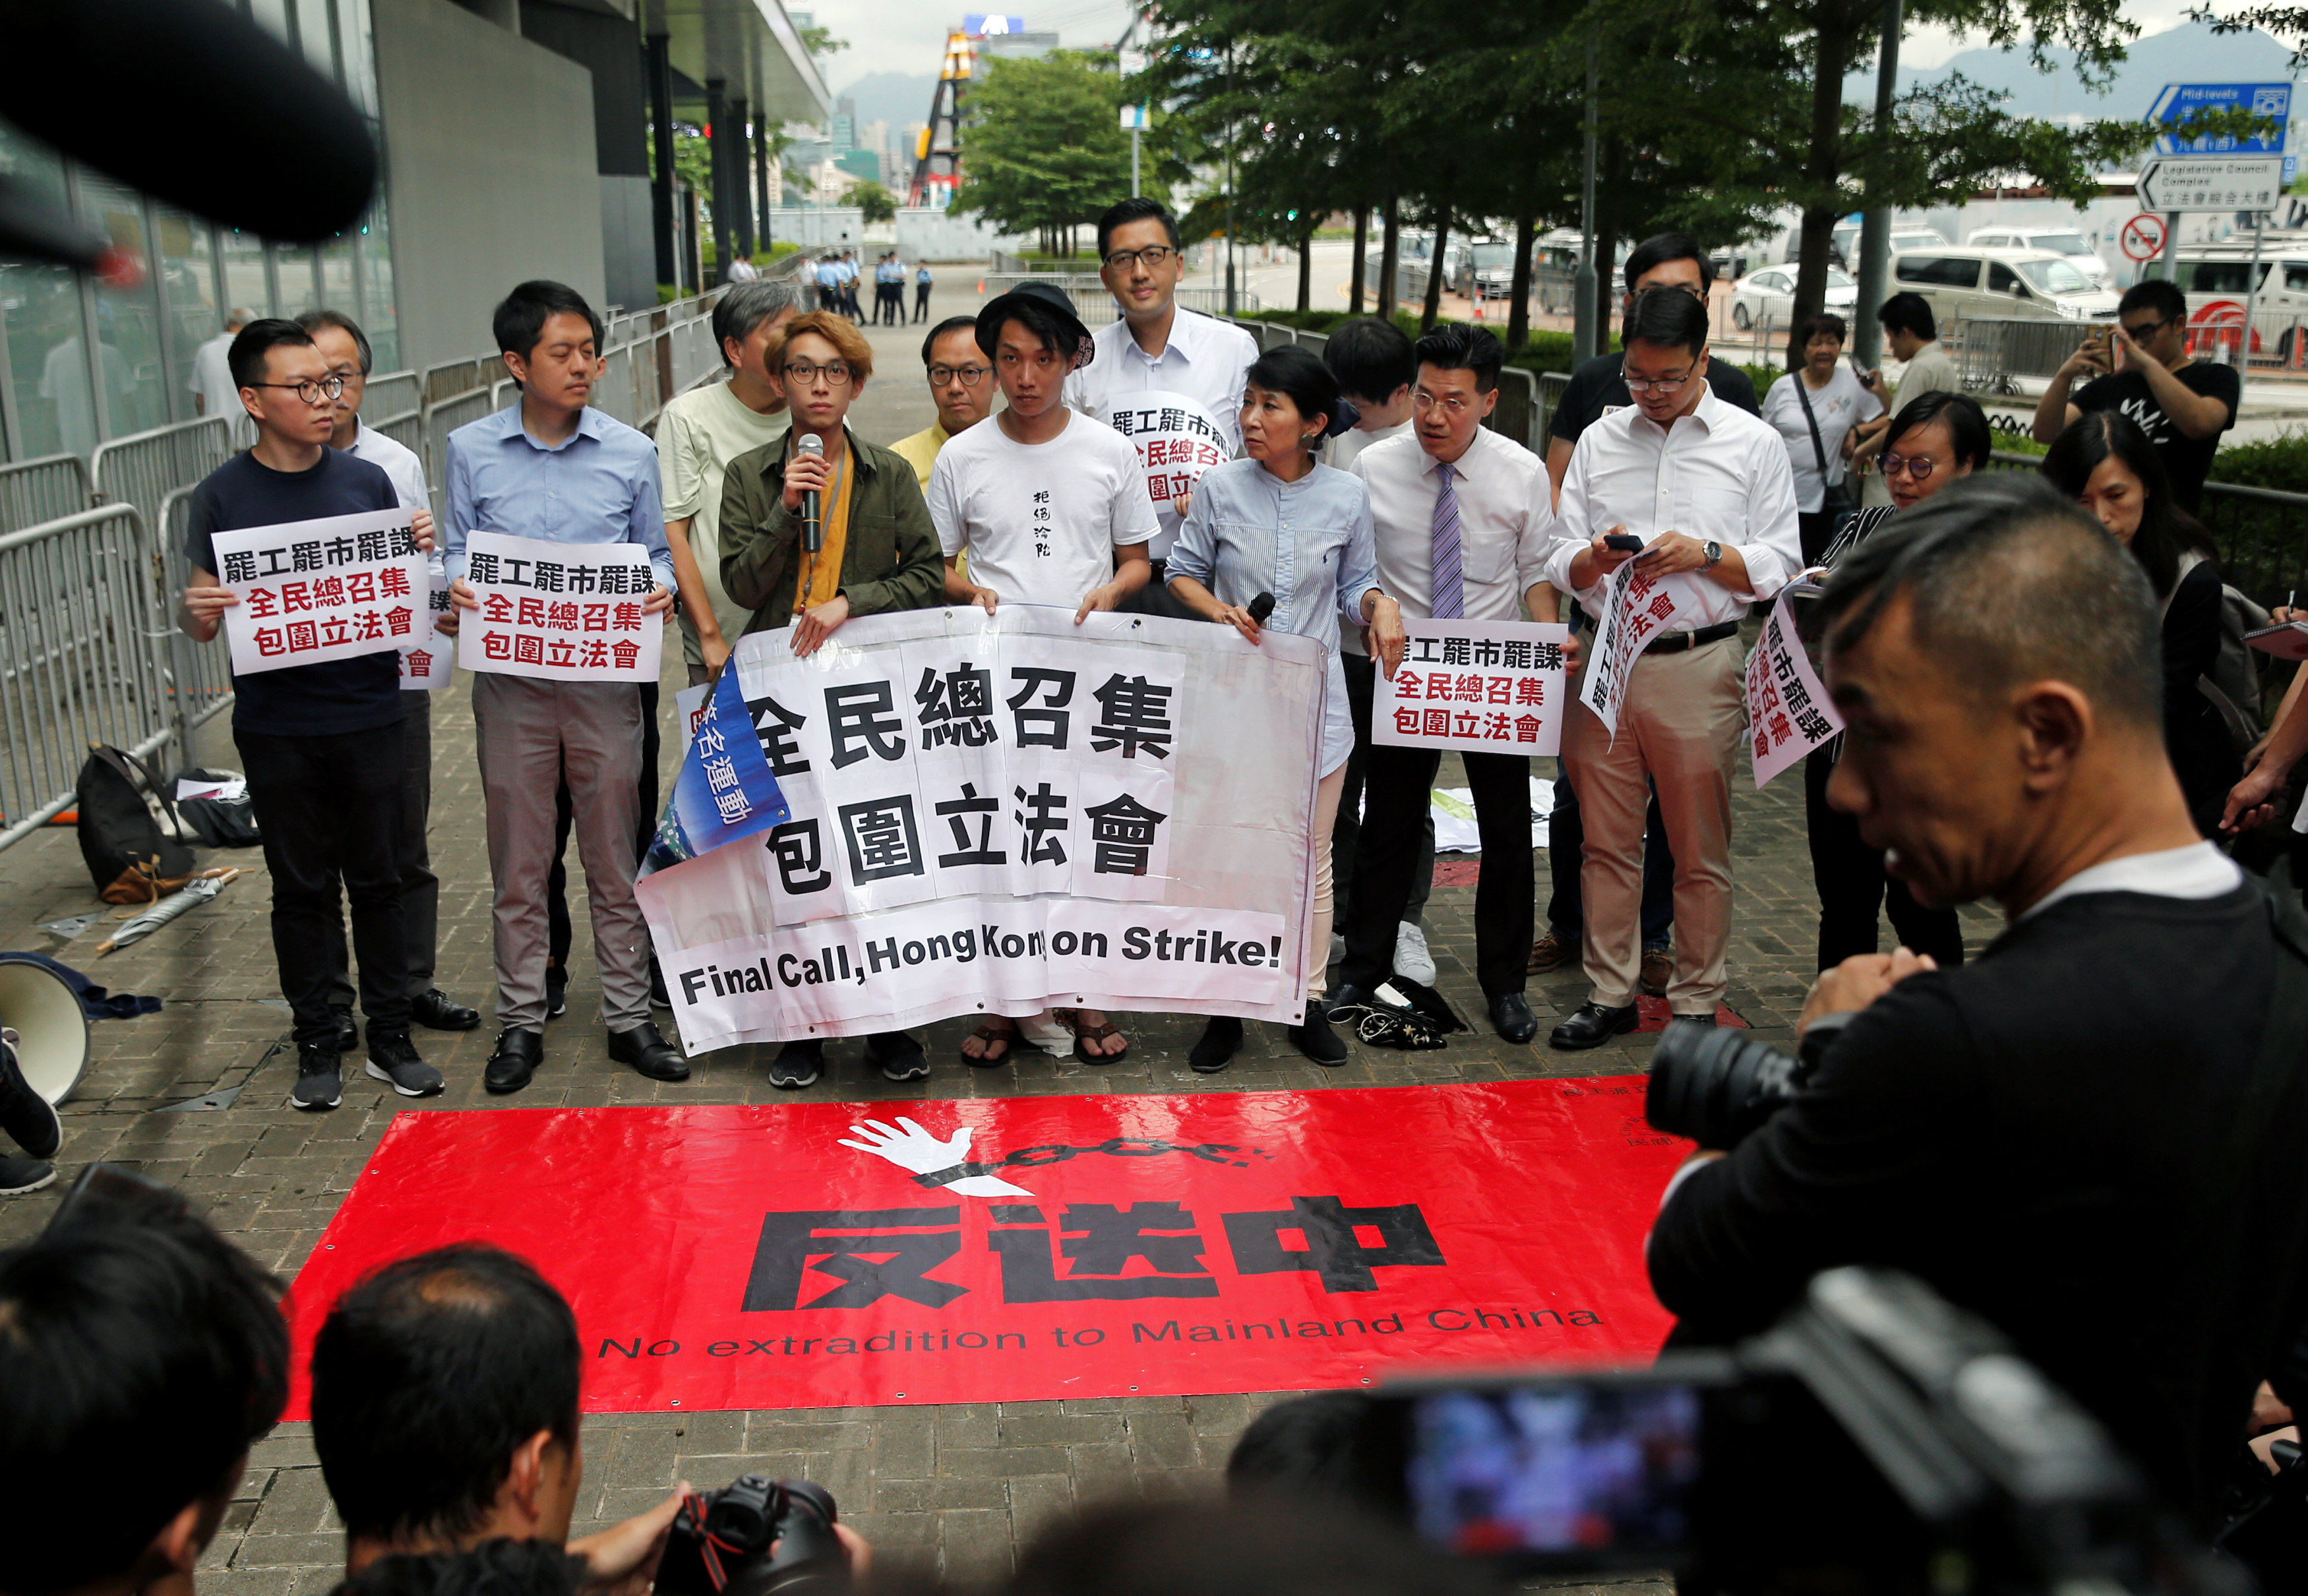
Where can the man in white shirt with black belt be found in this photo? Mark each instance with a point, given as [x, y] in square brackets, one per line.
[1156, 346]
[1464, 532]
[1708, 489]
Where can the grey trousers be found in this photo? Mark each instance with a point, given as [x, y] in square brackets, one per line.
[530, 732]
[420, 889]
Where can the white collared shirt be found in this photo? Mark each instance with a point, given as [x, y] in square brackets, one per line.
[397, 460]
[2198, 870]
[1203, 358]
[1718, 475]
[1506, 526]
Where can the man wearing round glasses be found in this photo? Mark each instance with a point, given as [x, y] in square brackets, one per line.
[962, 387]
[2142, 367]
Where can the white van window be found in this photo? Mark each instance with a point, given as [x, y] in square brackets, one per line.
[2001, 279]
[2220, 276]
[2060, 243]
[2056, 277]
[2296, 277]
[1942, 272]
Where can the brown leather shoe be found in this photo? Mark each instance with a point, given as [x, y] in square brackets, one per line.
[1658, 969]
[1551, 952]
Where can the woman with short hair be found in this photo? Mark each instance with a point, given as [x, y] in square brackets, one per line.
[1814, 408]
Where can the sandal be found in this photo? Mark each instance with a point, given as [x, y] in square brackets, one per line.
[1104, 1031]
[1000, 1028]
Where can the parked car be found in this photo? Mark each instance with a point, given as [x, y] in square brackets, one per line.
[1769, 295]
[2060, 241]
[1843, 245]
[1964, 280]
[1490, 266]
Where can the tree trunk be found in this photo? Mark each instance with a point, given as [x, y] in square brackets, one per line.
[1306, 265]
[1362, 243]
[1518, 317]
[1832, 44]
[1390, 256]
[1434, 306]
[1606, 248]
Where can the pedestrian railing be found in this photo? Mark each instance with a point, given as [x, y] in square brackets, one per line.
[77, 607]
[1991, 352]
[42, 490]
[1518, 415]
[144, 468]
[1552, 387]
[453, 377]
[613, 391]
[442, 417]
[405, 429]
[196, 676]
[389, 393]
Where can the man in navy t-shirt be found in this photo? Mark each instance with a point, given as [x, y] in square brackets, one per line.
[321, 744]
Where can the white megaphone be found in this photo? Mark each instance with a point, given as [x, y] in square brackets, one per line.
[51, 1027]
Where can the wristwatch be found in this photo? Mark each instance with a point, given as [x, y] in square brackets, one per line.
[1714, 551]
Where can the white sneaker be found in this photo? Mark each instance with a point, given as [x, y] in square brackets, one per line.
[1412, 961]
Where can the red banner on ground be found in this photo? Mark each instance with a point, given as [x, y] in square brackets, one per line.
[835, 1255]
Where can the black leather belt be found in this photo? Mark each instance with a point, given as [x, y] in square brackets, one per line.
[1675, 642]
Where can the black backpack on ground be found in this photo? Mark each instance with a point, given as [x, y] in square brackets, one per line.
[129, 829]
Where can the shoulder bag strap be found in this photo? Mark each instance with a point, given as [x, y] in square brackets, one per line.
[1818, 450]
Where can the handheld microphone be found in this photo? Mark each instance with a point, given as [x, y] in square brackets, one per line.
[812, 526]
[1261, 607]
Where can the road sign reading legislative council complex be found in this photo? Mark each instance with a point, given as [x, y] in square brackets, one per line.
[2211, 183]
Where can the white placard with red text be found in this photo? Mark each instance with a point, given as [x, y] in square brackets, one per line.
[562, 611]
[312, 591]
[1176, 440]
[1788, 713]
[1637, 610]
[427, 663]
[1477, 686]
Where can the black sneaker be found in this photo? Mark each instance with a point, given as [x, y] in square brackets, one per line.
[20, 1175]
[27, 1116]
[557, 993]
[1215, 1048]
[393, 1060]
[798, 1064]
[900, 1057]
[1314, 1038]
[318, 1083]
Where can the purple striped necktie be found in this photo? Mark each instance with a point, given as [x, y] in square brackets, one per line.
[1447, 590]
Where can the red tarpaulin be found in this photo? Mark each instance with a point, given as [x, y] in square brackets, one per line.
[796, 1255]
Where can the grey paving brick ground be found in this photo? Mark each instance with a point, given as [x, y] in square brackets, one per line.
[954, 1490]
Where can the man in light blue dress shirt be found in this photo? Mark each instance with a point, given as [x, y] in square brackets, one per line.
[551, 467]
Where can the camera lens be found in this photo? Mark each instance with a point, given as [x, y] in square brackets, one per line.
[1716, 1085]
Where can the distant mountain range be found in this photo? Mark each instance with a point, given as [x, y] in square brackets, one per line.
[899, 98]
[2191, 52]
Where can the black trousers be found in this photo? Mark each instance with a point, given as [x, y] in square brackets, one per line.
[1852, 885]
[1566, 841]
[330, 808]
[921, 302]
[1362, 689]
[1396, 782]
[420, 889]
[557, 894]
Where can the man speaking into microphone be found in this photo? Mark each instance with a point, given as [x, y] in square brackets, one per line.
[818, 526]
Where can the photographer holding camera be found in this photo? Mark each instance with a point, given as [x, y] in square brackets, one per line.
[2090, 1136]
[445, 1413]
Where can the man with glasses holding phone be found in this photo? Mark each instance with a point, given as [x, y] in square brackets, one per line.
[1708, 490]
[962, 387]
[2142, 367]
[1158, 346]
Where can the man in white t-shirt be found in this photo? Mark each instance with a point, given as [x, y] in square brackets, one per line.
[338, 339]
[698, 434]
[1051, 507]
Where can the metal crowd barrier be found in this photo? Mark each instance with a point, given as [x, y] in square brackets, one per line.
[197, 676]
[442, 417]
[1552, 387]
[389, 393]
[144, 468]
[42, 490]
[1991, 351]
[405, 429]
[78, 610]
[453, 377]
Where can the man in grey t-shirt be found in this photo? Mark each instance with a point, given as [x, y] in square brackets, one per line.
[1910, 335]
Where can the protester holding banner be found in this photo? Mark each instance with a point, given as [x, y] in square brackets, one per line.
[1281, 525]
[961, 387]
[1051, 507]
[346, 348]
[1463, 531]
[1708, 490]
[698, 434]
[1940, 438]
[551, 469]
[2106, 462]
[1158, 346]
[320, 742]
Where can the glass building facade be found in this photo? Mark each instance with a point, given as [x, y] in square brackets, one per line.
[82, 361]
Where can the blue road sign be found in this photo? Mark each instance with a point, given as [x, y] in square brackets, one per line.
[2176, 102]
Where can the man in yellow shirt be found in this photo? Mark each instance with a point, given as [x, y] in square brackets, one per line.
[961, 381]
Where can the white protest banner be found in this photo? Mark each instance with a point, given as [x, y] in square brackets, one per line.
[427, 661]
[1477, 686]
[1788, 712]
[996, 814]
[1635, 611]
[1176, 440]
[560, 611]
[310, 591]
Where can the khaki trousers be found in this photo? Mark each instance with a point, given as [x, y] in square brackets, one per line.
[1680, 725]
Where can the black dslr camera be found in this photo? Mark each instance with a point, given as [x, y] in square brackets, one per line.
[1717, 1086]
[721, 1541]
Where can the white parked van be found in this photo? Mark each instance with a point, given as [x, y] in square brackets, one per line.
[2060, 241]
[2217, 279]
[1967, 281]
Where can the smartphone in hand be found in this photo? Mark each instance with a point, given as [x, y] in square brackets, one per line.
[1626, 543]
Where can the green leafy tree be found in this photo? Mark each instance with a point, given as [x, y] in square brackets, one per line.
[878, 203]
[1042, 147]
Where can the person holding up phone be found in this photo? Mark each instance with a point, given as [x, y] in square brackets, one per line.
[2141, 366]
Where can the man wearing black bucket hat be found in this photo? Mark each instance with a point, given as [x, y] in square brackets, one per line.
[1051, 507]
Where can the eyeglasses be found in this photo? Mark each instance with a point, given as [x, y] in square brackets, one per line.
[327, 391]
[1453, 405]
[2140, 333]
[970, 376]
[1665, 387]
[1916, 465]
[1153, 255]
[835, 372]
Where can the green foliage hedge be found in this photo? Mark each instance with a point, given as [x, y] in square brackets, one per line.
[2279, 463]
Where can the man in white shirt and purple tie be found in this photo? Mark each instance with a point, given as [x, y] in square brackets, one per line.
[1708, 490]
[1464, 529]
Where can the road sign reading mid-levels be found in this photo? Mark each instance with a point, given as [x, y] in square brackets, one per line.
[2177, 102]
[2211, 183]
